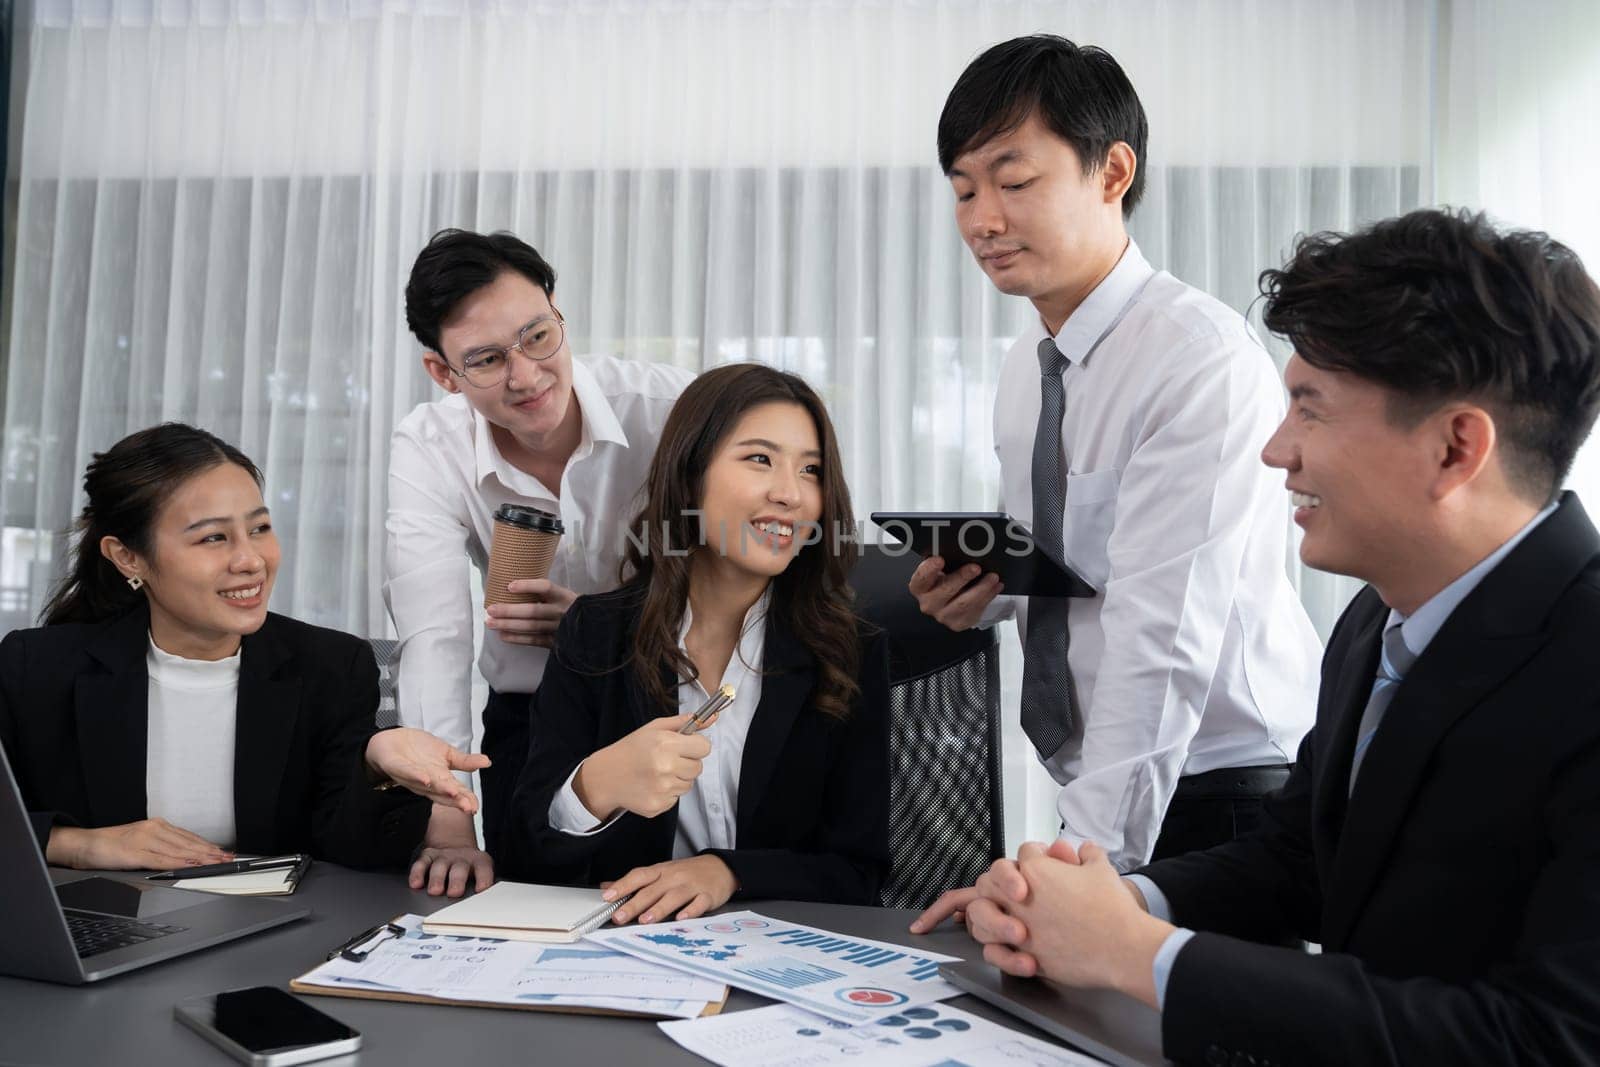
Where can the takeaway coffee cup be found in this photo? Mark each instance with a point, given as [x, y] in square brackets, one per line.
[524, 543]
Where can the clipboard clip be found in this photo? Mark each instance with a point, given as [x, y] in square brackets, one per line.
[372, 938]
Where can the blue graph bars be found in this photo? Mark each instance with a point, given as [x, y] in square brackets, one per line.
[854, 952]
[790, 974]
[550, 955]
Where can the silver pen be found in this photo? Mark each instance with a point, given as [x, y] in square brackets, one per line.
[708, 711]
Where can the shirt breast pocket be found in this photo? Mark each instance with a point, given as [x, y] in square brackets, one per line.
[1086, 523]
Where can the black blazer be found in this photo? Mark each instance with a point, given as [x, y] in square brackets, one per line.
[73, 707]
[1456, 893]
[813, 809]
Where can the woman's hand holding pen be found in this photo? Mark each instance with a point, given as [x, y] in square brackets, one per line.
[420, 762]
[645, 772]
[677, 889]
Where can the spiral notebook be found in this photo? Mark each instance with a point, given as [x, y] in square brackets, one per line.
[273, 882]
[518, 911]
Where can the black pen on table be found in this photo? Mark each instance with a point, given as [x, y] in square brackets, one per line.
[260, 863]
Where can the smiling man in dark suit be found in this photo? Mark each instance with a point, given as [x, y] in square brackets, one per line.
[1440, 834]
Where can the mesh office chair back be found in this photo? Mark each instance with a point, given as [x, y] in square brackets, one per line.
[945, 815]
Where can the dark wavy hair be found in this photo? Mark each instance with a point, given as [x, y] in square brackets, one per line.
[457, 263]
[812, 594]
[127, 485]
[1080, 93]
[1437, 306]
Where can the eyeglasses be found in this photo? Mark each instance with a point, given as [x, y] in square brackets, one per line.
[488, 367]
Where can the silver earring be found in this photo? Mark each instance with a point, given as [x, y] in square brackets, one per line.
[135, 582]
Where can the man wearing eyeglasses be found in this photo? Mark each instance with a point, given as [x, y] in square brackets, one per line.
[522, 423]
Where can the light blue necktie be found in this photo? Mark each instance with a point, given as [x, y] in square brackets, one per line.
[1393, 663]
[1047, 696]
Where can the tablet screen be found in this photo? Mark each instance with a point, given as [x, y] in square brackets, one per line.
[991, 539]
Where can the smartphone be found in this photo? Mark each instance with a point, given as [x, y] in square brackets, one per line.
[267, 1027]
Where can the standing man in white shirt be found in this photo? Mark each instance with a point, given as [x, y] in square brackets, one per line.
[523, 423]
[1127, 423]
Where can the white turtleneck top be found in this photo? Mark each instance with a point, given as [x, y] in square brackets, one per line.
[193, 707]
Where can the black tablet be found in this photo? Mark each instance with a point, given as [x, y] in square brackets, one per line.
[991, 539]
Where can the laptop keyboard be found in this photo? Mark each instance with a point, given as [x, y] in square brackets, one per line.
[93, 934]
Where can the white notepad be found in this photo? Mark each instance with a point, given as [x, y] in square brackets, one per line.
[521, 912]
[271, 883]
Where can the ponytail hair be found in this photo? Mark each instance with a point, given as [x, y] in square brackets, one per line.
[127, 485]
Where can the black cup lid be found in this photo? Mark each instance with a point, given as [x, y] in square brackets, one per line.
[528, 518]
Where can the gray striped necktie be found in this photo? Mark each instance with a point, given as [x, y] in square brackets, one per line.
[1048, 702]
[1393, 663]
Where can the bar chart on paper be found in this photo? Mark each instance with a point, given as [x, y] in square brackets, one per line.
[556, 955]
[863, 954]
[790, 973]
[845, 979]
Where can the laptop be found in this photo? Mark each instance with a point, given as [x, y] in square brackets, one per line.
[72, 927]
[1106, 1025]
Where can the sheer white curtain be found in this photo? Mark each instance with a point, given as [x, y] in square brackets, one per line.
[1518, 134]
[219, 203]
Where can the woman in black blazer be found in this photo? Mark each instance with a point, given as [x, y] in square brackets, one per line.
[736, 575]
[175, 563]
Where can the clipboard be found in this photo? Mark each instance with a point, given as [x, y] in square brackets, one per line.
[314, 989]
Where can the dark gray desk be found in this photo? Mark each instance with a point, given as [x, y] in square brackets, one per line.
[128, 1019]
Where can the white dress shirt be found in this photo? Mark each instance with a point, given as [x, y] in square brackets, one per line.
[708, 812]
[192, 721]
[1198, 654]
[447, 477]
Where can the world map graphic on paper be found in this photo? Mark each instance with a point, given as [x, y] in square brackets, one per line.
[701, 947]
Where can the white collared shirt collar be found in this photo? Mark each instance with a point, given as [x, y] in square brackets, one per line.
[1104, 305]
[708, 814]
[598, 421]
[751, 649]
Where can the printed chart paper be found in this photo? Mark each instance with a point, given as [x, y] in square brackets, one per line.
[934, 1035]
[457, 967]
[846, 979]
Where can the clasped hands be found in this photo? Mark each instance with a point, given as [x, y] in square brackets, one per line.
[1061, 913]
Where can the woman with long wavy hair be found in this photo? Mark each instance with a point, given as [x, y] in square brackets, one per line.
[735, 576]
